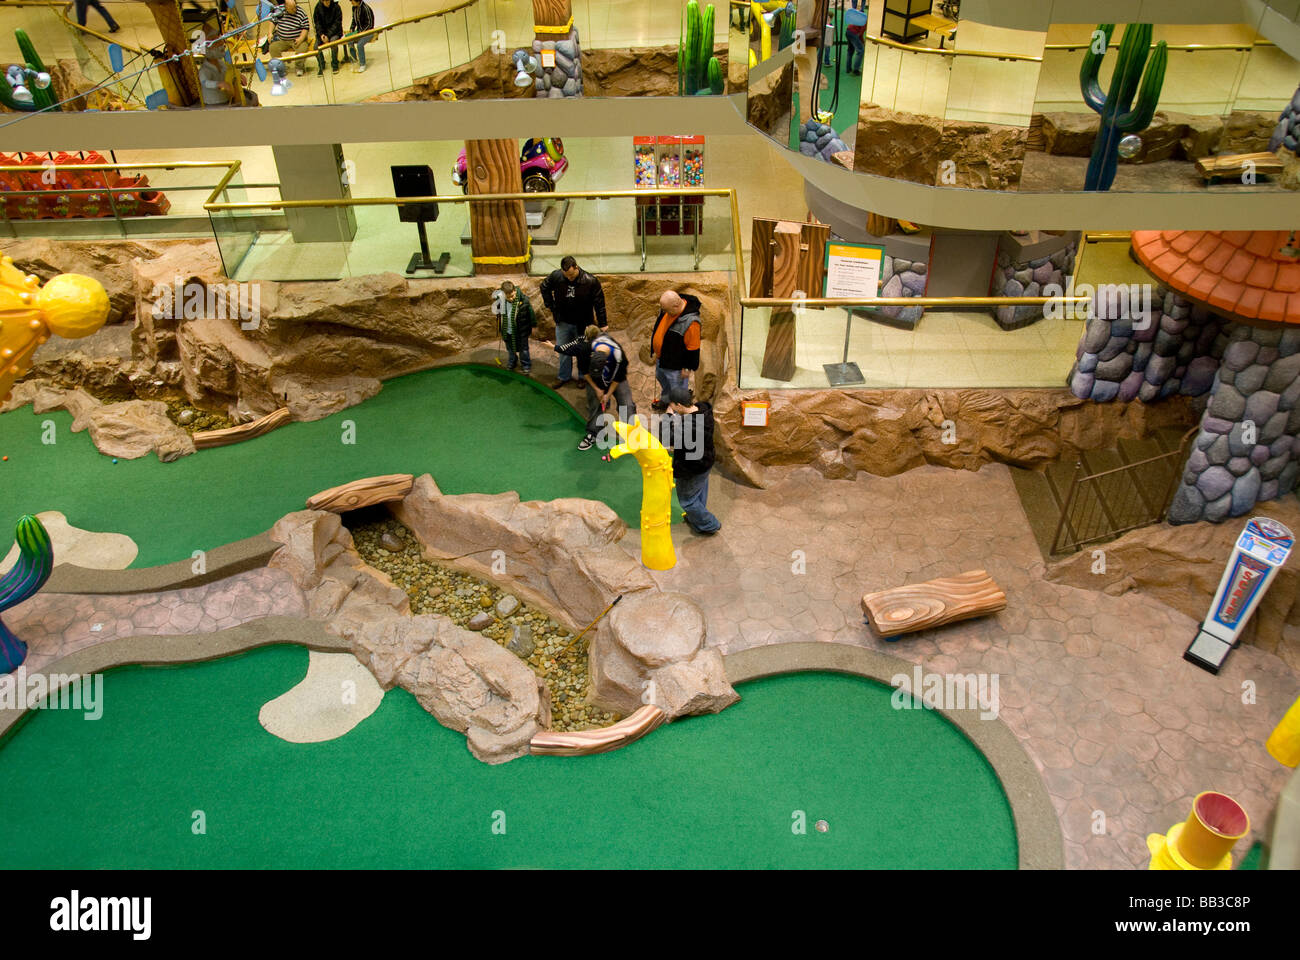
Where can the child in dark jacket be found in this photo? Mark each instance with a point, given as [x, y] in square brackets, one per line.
[516, 325]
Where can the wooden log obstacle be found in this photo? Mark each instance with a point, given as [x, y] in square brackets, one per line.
[917, 606]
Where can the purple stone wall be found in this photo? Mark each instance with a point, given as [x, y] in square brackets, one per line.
[1027, 279]
[1247, 450]
[1176, 350]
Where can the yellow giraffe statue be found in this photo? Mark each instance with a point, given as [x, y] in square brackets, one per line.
[656, 493]
[70, 306]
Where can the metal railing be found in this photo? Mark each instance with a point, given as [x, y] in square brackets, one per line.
[119, 209]
[1102, 505]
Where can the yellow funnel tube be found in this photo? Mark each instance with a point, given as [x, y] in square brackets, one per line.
[1205, 840]
[1284, 742]
[656, 493]
[70, 305]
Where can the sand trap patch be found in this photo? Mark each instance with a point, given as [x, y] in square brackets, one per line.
[336, 695]
[84, 548]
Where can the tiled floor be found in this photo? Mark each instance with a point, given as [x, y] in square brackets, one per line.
[1093, 685]
[946, 349]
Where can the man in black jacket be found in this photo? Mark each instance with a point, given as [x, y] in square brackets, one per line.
[693, 458]
[327, 19]
[675, 343]
[574, 296]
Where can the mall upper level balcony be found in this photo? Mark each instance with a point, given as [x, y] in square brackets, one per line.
[970, 114]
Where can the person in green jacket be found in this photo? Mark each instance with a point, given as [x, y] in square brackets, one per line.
[516, 324]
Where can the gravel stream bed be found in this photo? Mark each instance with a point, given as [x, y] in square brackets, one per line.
[479, 605]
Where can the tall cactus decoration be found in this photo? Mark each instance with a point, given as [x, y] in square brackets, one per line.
[786, 36]
[1119, 115]
[42, 98]
[698, 71]
[35, 561]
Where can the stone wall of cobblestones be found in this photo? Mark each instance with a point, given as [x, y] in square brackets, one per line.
[565, 78]
[1027, 279]
[1247, 449]
[903, 278]
[1177, 351]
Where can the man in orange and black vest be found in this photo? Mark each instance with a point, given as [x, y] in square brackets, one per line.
[675, 343]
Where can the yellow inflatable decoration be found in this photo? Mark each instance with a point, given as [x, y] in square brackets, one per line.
[70, 306]
[1205, 840]
[656, 493]
[1283, 743]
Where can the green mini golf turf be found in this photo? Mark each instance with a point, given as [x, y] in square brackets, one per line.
[897, 788]
[475, 429]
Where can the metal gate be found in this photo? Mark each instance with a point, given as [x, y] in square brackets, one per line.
[1101, 506]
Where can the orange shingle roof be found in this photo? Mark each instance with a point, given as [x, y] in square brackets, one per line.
[1235, 272]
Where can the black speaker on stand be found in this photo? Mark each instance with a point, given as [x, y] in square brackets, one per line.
[417, 181]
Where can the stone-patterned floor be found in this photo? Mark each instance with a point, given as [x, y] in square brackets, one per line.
[56, 624]
[1095, 686]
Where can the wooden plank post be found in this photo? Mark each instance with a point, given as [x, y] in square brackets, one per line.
[779, 353]
[813, 238]
[760, 257]
[497, 229]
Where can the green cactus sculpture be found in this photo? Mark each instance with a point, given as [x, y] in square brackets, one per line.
[698, 71]
[1119, 115]
[786, 17]
[41, 99]
[35, 561]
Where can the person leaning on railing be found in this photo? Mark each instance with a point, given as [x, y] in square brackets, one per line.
[293, 33]
[363, 19]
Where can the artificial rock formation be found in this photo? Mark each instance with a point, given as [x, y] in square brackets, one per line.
[1028, 278]
[653, 653]
[467, 681]
[1248, 448]
[1128, 353]
[820, 140]
[886, 432]
[128, 430]
[912, 146]
[564, 556]
[769, 100]
[626, 72]
[1171, 135]
[1181, 565]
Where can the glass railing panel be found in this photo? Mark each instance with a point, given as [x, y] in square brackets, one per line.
[945, 348]
[1264, 80]
[986, 90]
[387, 241]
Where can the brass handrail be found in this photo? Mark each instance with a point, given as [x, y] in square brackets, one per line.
[471, 198]
[793, 302]
[986, 54]
[1189, 47]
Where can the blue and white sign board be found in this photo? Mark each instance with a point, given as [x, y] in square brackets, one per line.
[1260, 552]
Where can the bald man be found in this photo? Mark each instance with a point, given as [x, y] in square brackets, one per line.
[675, 343]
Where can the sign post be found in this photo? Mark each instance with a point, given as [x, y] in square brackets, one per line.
[1260, 552]
[852, 273]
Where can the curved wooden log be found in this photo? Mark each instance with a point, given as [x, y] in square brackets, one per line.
[244, 431]
[362, 493]
[921, 605]
[581, 743]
